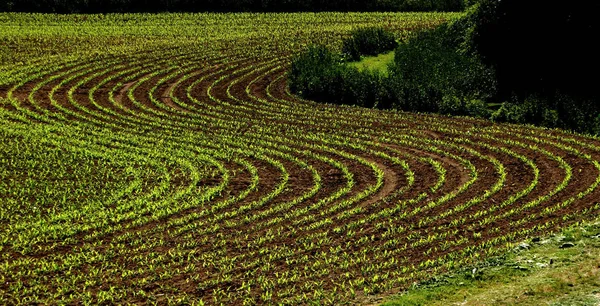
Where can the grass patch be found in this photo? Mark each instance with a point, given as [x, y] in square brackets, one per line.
[563, 269]
[377, 63]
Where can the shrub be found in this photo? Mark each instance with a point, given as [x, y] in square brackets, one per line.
[517, 113]
[365, 88]
[368, 41]
[533, 110]
[433, 72]
[314, 73]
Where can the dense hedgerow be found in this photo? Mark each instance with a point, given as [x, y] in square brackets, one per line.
[431, 73]
[535, 58]
[105, 6]
[320, 74]
[313, 73]
[368, 41]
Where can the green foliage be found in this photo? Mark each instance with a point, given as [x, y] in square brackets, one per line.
[314, 73]
[530, 111]
[368, 41]
[561, 111]
[433, 72]
[321, 75]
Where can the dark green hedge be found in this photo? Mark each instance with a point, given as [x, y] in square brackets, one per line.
[436, 72]
[539, 47]
[537, 59]
[106, 6]
[431, 73]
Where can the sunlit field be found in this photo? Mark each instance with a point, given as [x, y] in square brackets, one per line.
[162, 159]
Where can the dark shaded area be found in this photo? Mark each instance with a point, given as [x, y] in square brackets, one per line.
[546, 58]
[116, 6]
[540, 47]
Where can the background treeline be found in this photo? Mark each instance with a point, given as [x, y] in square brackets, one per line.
[513, 61]
[108, 6]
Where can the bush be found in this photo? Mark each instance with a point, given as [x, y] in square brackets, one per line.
[518, 113]
[365, 88]
[561, 112]
[314, 73]
[432, 72]
[368, 41]
[321, 75]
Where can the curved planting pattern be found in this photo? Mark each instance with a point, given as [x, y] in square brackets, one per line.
[190, 174]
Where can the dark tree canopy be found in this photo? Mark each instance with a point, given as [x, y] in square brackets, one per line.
[107, 6]
[541, 47]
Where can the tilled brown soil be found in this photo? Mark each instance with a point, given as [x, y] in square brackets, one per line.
[320, 203]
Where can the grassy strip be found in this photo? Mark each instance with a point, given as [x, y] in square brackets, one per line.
[377, 63]
[562, 269]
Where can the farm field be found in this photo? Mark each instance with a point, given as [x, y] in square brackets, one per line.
[162, 159]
